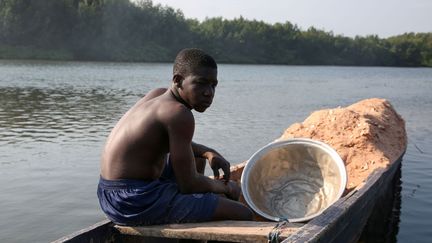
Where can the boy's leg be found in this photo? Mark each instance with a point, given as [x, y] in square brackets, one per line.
[226, 208]
[231, 210]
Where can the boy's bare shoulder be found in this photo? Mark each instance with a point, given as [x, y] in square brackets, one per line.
[155, 92]
[174, 112]
[166, 108]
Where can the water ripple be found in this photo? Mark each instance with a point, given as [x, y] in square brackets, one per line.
[49, 115]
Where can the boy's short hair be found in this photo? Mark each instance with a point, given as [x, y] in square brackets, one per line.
[190, 59]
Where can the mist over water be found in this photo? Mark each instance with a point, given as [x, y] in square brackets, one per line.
[55, 117]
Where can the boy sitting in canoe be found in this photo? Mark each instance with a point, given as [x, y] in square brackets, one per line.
[152, 172]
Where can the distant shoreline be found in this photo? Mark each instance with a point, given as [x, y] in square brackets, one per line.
[35, 54]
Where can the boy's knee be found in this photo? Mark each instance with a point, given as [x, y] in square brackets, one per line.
[232, 210]
[247, 213]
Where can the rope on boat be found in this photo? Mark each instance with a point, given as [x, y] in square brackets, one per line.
[273, 236]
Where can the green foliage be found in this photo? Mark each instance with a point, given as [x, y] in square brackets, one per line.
[412, 49]
[24, 52]
[121, 30]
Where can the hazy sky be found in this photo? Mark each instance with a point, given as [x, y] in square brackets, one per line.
[348, 17]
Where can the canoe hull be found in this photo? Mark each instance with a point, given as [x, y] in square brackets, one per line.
[342, 222]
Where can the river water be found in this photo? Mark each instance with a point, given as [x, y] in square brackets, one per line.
[55, 116]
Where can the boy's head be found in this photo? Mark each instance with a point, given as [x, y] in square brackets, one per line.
[191, 59]
[195, 78]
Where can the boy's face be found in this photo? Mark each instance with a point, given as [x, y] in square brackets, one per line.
[198, 88]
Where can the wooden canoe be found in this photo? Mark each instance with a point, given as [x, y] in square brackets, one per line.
[344, 221]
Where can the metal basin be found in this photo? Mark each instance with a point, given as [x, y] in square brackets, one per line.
[294, 180]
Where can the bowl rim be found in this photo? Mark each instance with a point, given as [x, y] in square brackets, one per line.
[279, 143]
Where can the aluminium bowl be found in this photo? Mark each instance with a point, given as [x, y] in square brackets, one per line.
[294, 179]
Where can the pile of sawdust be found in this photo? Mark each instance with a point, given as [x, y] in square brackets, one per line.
[367, 135]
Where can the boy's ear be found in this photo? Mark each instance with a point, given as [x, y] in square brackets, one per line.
[178, 79]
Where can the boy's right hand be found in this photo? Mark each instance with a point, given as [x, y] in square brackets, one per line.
[234, 190]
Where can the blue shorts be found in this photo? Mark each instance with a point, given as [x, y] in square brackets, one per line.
[137, 202]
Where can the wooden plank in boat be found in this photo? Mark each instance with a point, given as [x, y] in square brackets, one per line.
[227, 230]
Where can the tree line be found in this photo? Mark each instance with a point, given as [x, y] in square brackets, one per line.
[121, 30]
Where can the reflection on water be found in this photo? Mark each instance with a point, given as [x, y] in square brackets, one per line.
[53, 115]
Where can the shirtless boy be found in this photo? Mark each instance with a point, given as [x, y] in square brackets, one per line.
[152, 172]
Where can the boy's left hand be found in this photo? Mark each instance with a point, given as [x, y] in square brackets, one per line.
[216, 162]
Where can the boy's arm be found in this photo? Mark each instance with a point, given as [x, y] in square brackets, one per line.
[180, 126]
[216, 160]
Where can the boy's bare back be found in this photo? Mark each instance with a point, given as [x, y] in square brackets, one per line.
[138, 144]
